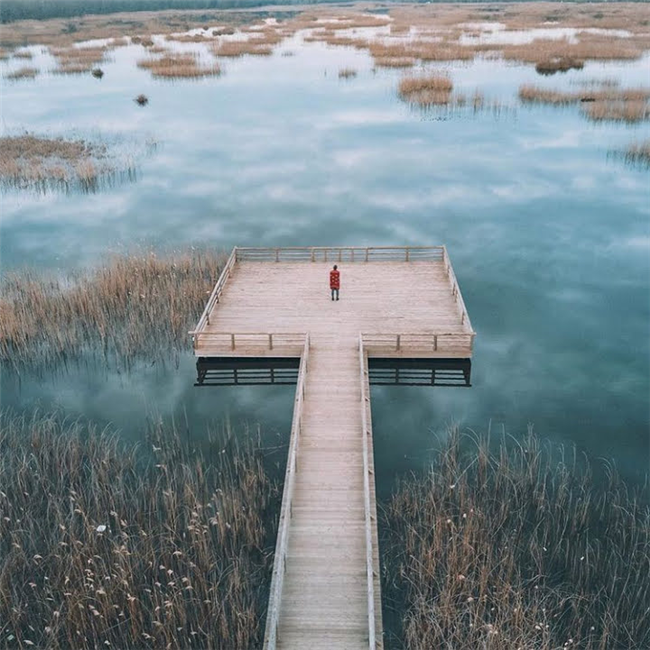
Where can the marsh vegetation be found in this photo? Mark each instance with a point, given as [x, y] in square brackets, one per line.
[133, 307]
[176, 65]
[108, 545]
[515, 546]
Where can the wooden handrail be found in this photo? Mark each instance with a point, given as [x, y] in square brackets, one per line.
[423, 342]
[341, 253]
[365, 433]
[464, 316]
[229, 341]
[216, 292]
[279, 560]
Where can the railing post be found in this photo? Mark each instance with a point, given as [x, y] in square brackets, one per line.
[270, 341]
[366, 253]
[407, 253]
[326, 254]
[340, 253]
[232, 341]
[399, 342]
[435, 342]
[277, 254]
[312, 254]
[352, 254]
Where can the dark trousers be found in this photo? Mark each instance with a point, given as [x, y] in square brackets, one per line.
[335, 291]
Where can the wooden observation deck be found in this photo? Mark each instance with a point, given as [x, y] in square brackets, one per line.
[395, 303]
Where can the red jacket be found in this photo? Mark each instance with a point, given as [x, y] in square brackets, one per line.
[335, 280]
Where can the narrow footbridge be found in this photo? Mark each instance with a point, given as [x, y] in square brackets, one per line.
[274, 303]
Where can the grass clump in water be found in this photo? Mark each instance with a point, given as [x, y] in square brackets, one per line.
[106, 546]
[515, 548]
[604, 102]
[37, 162]
[134, 307]
[26, 72]
[347, 73]
[176, 65]
[426, 91]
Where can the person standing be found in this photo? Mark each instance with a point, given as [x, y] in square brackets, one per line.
[335, 281]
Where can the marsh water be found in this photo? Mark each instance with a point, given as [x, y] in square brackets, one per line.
[547, 228]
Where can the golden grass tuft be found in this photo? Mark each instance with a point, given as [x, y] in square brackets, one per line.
[23, 54]
[109, 545]
[394, 62]
[77, 60]
[515, 546]
[174, 65]
[426, 91]
[233, 49]
[605, 102]
[559, 64]
[22, 73]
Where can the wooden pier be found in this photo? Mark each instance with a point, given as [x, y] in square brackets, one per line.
[275, 302]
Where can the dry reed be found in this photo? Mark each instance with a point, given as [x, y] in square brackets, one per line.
[22, 73]
[175, 65]
[77, 60]
[604, 102]
[252, 47]
[347, 73]
[515, 548]
[107, 546]
[133, 308]
[638, 153]
[33, 162]
[426, 91]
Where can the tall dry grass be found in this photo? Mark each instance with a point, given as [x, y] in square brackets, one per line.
[176, 65]
[134, 307]
[429, 90]
[598, 103]
[78, 60]
[36, 162]
[106, 546]
[515, 547]
[638, 153]
[26, 72]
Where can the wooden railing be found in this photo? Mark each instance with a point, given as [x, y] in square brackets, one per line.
[247, 342]
[455, 290]
[216, 292]
[279, 561]
[442, 342]
[366, 434]
[342, 254]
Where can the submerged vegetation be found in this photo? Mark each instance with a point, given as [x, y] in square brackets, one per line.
[516, 548]
[106, 546]
[133, 307]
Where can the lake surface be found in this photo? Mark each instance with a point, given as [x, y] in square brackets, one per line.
[549, 234]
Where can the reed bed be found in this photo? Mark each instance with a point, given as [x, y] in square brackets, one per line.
[175, 65]
[394, 62]
[599, 103]
[515, 547]
[347, 73]
[107, 546]
[638, 153]
[134, 307]
[78, 60]
[425, 91]
[34, 162]
[250, 47]
[23, 54]
[26, 72]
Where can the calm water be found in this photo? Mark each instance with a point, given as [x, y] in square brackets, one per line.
[549, 235]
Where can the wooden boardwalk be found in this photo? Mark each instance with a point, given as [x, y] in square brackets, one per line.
[394, 302]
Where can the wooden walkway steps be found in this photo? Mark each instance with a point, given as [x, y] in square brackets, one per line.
[395, 302]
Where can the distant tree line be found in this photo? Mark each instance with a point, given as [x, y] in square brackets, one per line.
[11, 10]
